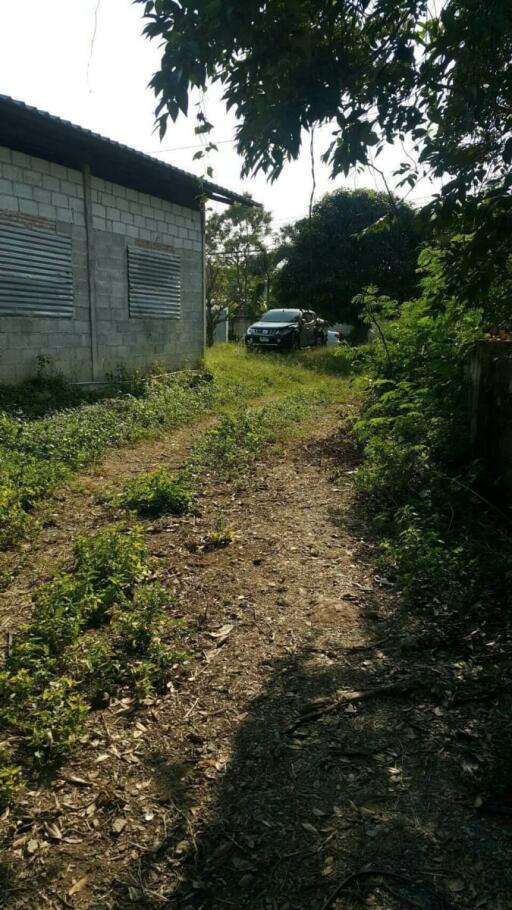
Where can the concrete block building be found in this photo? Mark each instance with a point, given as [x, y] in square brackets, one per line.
[101, 252]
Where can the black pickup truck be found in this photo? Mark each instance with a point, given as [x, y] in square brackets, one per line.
[286, 330]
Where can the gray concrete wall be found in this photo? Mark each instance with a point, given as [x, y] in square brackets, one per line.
[40, 193]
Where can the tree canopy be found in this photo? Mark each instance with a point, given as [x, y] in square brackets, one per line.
[380, 70]
[434, 76]
[327, 261]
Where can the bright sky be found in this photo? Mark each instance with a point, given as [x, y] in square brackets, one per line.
[46, 61]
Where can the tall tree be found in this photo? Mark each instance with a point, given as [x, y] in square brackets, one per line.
[238, 262]
[328, 260]
[438, 75]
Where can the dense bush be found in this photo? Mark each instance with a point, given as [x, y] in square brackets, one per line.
[437, 530]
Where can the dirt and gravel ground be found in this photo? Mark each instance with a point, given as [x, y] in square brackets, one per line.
[301, 758]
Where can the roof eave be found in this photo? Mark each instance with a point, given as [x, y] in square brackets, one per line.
[37, 133]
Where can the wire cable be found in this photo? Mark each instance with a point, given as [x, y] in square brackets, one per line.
[93, 42]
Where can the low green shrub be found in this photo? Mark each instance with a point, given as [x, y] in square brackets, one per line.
[17, 690]
[56, 720]
[110, 563]
[232, 444]
[14, 521]
[62, 609]
[99, 668]
[10, 779]
[138, 622]
[44, 393]
[94, 630]
[155, 493]
[148, 675]
[45, 710]
[217, 540]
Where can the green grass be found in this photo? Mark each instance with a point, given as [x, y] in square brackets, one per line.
[234, 444]
[95, 629]
[265, 374]
[38, 454]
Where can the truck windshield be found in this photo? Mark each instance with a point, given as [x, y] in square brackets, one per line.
[281, 316]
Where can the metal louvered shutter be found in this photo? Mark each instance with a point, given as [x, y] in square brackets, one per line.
[155, 284]
[36, 277]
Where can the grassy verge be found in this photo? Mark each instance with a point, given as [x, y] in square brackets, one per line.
[36, 455]
[103, 626]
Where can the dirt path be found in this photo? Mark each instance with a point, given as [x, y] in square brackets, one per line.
[261, 780]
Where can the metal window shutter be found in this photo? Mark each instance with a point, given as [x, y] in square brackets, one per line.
[36, 275]
[155, 284]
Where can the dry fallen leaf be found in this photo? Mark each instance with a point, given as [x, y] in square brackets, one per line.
[20, 841]
[119, 825]
[53, 831]
[78, 886]
[222, 634]
[309, 827]
[32, 846]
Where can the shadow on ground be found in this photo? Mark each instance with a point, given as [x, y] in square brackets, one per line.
[360, 789]
[329, 803]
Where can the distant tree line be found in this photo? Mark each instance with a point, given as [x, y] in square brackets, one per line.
[353, 239]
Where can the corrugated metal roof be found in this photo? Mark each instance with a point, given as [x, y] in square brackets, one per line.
[27, 129]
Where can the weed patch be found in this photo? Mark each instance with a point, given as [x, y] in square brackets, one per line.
[155, 493]
[94, 630]
[9, 780]
[36, 456]
[233, 445]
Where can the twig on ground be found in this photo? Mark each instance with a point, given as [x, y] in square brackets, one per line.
[367, 873]
[369, 647]
[399, 688]
[191, 709]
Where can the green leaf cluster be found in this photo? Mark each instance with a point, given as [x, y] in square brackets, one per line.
[155, 493]
[425, 494]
